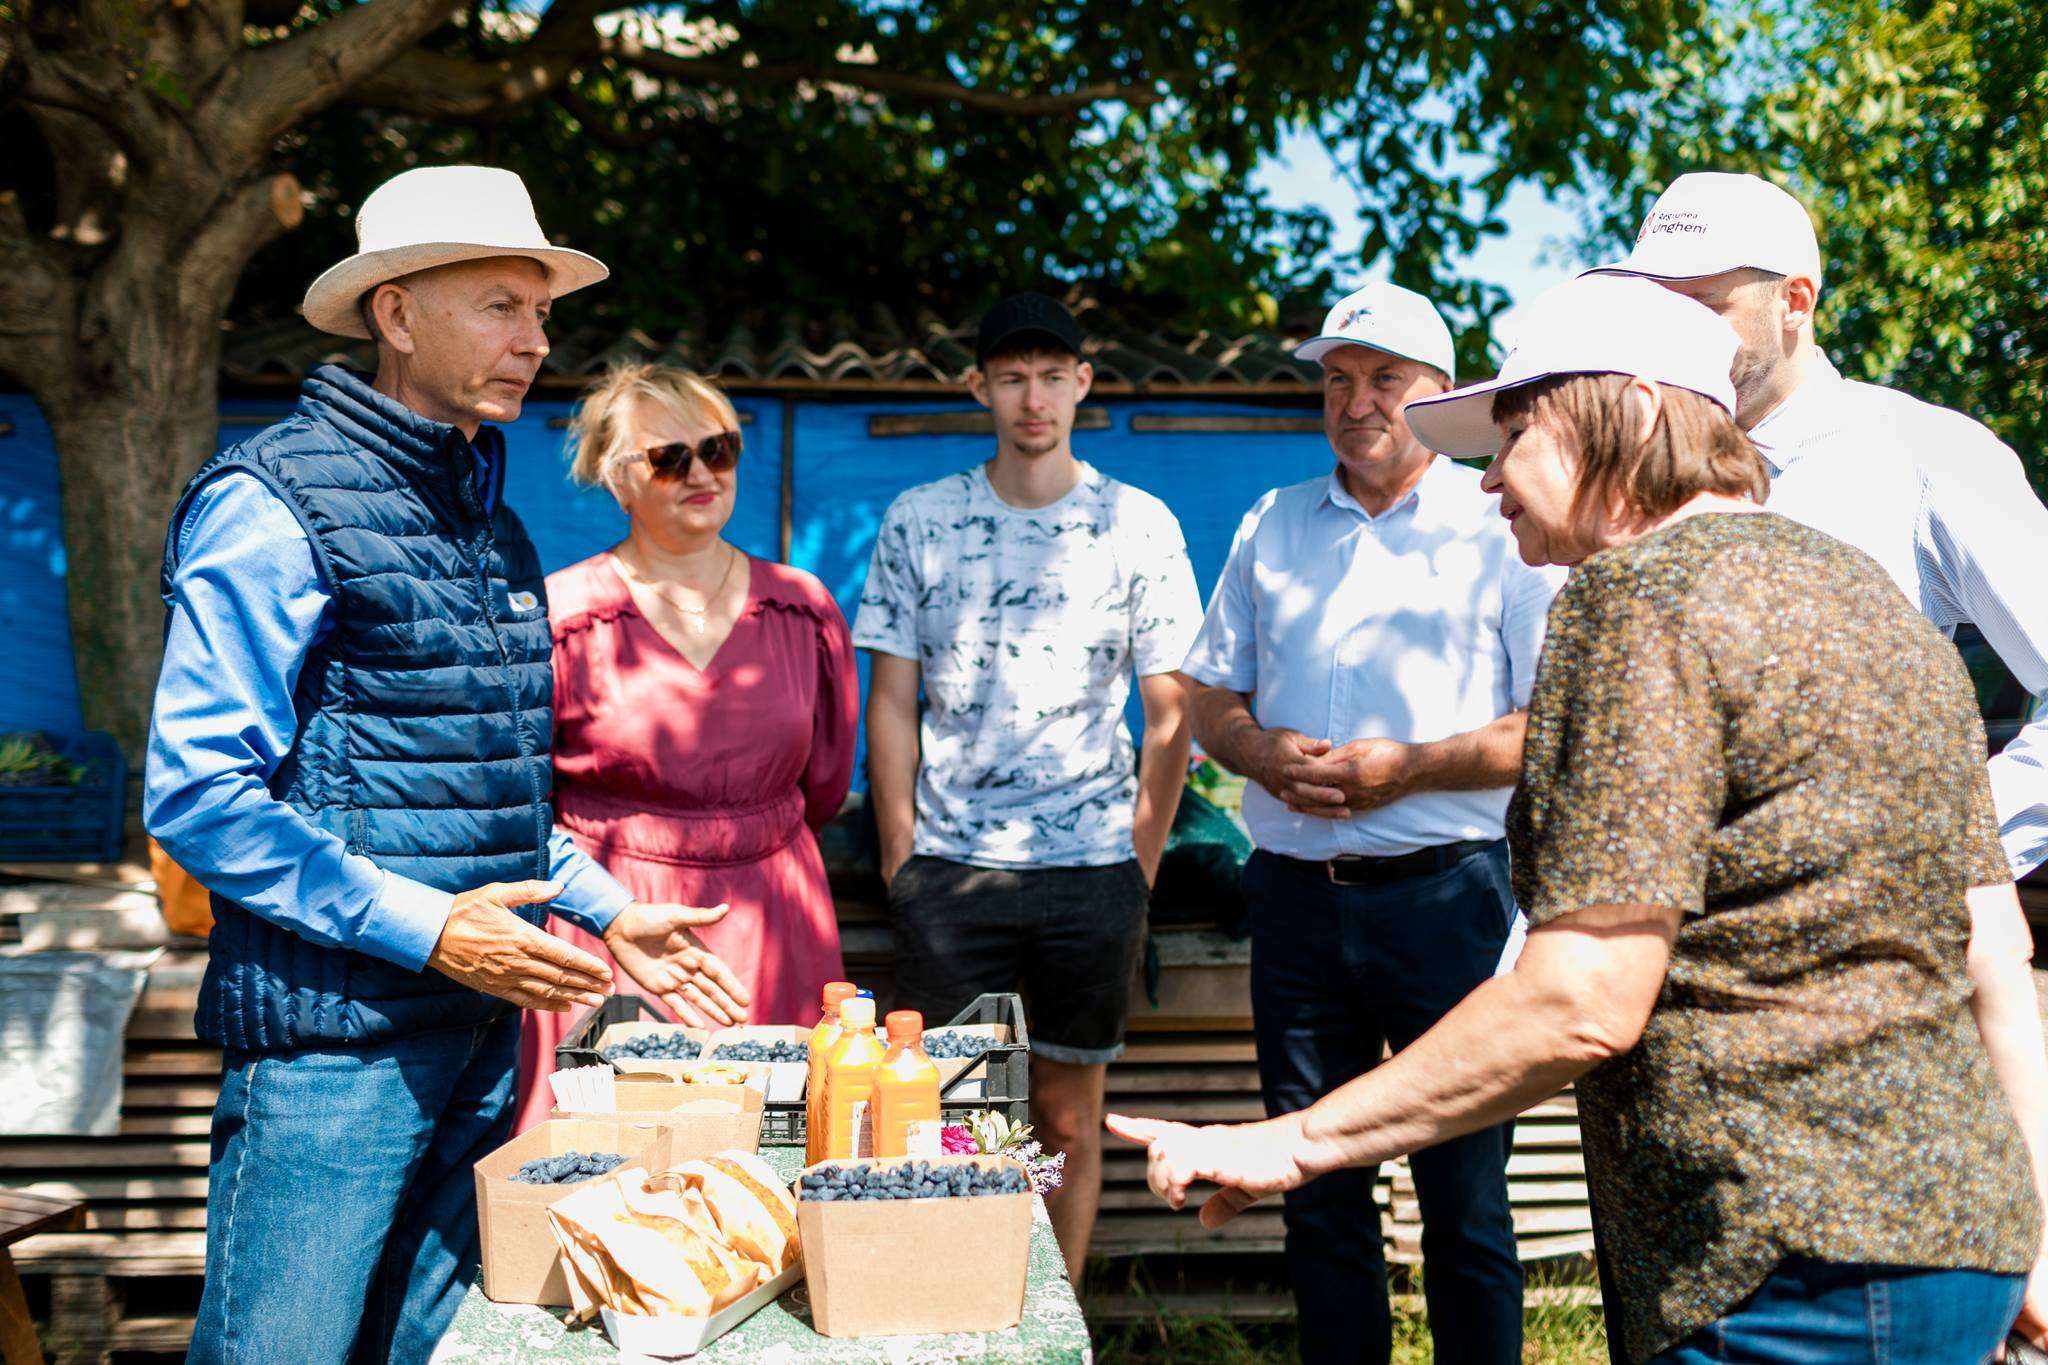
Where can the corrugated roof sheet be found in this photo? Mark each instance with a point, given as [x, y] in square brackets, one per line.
[875, 351]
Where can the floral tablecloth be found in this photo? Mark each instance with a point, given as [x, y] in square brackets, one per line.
[1051, 1332]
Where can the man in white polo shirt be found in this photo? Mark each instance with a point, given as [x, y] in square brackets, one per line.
[1930, 494]
[1365, 661]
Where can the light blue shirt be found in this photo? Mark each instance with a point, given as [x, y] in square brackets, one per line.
[1414, 625]
[248, 605]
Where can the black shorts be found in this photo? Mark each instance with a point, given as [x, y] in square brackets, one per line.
[1070, 937]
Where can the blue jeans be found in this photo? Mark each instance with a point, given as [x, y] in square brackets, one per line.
[341, 1204]
[1818, 1313]
[1337, 971]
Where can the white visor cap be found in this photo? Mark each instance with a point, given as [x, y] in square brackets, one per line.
[1386, 317]
[1596, 324]
[1710, 222]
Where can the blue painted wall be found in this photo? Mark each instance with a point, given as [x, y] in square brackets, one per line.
[43, 693]
[843, 481]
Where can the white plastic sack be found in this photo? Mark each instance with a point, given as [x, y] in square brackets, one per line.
[63, 1017]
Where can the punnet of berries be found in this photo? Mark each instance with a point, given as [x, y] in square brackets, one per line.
[570, 1168]
[859, 1181]
[754, 1050]
[665, 1047]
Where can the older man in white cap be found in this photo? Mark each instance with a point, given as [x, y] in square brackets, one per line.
[1930, 494]
[350, 747]
[1365, 661]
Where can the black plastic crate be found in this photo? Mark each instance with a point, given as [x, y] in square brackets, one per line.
[1007, 1065]
[79, 823]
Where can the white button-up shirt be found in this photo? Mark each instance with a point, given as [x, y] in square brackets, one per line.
[1945, 507]
[1414, 625]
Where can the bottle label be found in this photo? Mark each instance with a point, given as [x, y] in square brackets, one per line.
[863, 1129]
[921, 1138]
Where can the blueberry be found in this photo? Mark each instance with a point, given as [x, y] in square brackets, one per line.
[671, 1046]
[754, 1050]
[952, 1045]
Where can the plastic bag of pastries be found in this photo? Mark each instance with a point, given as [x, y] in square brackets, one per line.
[755, 1212]
[645, 1250]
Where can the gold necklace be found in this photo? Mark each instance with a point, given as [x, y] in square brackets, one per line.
[696, 614]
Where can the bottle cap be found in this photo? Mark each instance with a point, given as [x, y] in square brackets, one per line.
[836, 991]
[864, 993]
[904, 1025]
[857, 1013]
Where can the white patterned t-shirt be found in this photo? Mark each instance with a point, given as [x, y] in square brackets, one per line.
[1027, 624]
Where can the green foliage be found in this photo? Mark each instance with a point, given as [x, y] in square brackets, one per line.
[27, 760]
[1914, 131]
[791, 204]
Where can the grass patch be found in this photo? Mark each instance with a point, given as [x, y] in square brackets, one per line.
[1561, 1323]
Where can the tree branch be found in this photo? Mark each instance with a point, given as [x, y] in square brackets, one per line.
[254, 215]
[435, 85]
[655, 61]
[287, 82]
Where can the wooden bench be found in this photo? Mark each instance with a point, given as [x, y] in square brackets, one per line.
[23, 1215]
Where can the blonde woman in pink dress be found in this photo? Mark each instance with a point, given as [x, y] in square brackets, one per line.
[705, 707]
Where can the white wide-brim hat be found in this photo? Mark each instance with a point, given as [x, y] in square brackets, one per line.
[1386, 317]
[1596, 324]
[438, 215]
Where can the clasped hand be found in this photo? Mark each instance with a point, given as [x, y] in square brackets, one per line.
[487, 947]
[1315, 777]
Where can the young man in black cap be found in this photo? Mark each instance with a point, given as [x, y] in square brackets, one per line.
[1019, 837]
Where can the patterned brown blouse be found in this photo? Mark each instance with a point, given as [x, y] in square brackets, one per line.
[1742, 719]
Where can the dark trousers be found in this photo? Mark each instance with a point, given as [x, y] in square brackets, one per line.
[1338, 971]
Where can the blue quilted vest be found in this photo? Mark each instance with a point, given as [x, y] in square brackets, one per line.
[423, 715]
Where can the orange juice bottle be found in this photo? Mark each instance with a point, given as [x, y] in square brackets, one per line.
[906, 1092]
[846, 1101]
[822, 1038]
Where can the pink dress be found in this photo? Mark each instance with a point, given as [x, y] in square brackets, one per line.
[701, 787]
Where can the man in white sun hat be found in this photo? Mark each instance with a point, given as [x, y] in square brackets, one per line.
[1929, 493]
[1365, 661]
[350, 747]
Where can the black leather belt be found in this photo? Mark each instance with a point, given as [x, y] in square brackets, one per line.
[1353, 869]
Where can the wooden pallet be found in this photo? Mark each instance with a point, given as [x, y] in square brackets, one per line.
[128, 1286]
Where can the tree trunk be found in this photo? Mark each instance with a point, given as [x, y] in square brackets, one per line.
[125, 450]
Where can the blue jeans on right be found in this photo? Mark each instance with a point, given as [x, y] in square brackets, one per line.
[1338, 972]
[341, 1203]
[1822, 1313]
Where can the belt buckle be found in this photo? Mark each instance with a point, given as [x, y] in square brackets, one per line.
[1350, 860]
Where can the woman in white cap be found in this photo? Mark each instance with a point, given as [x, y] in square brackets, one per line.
[1775, 944]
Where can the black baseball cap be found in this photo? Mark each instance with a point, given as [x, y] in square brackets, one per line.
[1034, 316]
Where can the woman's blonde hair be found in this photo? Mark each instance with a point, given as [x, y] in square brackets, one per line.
[599, 427]
[1694, 447]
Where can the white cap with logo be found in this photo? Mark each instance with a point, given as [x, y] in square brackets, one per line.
[1595, 324]
[1386, 317]
[1715, 221]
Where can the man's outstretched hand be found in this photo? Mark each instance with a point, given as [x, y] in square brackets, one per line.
[1249, 1160]
[488, 948]
[654, 945]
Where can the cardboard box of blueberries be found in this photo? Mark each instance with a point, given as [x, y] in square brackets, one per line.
[516, 1183]
[853, 1216]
